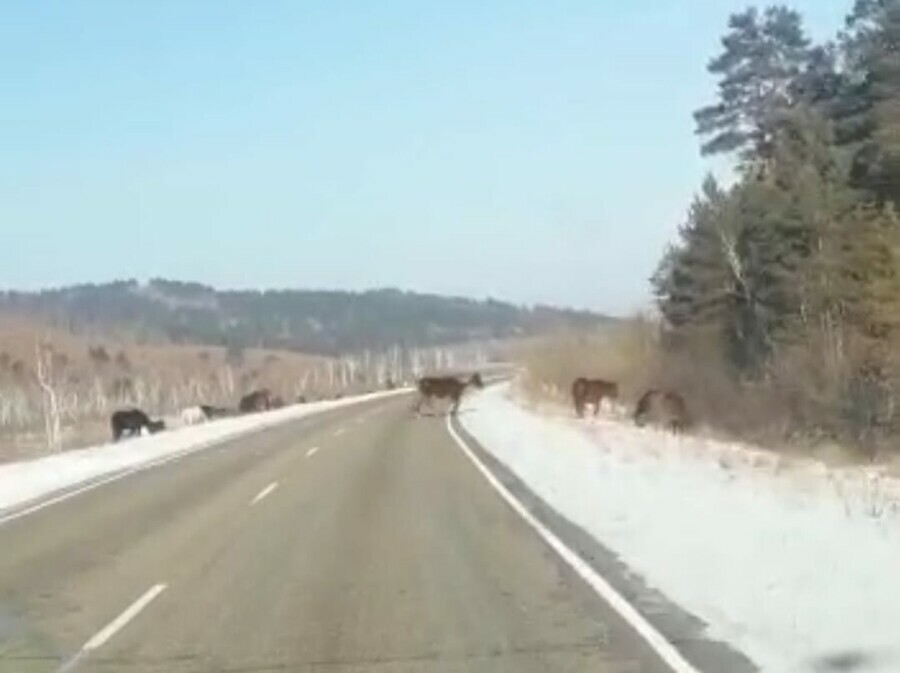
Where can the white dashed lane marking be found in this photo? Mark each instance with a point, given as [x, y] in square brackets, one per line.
[111, 629]
[263, 493]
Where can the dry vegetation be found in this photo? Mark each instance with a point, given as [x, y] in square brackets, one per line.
[57, 390]
[800, 406]
[625, 353]
[780, 295]
[87, 378]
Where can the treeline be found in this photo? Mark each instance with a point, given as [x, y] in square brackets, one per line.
[787, 282]
[322, 322]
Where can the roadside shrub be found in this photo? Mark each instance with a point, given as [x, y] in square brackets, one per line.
[634, 354]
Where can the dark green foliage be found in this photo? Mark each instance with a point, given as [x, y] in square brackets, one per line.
[870, 118]
[798, 263]
[763, 57]
[309, 321]
[695, 282]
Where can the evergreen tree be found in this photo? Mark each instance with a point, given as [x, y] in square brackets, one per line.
[802, 255]
[870, 107]
[763, 58]
[694, 280]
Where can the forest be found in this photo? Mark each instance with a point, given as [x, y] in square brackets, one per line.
[327, 322]
[785, 278]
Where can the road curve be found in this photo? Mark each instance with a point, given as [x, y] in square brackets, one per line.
[359, 540]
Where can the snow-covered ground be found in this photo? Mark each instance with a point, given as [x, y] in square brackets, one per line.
[26, 481]
[795, 564]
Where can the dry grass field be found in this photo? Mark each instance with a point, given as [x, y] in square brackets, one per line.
[58, 389]
[92, 376]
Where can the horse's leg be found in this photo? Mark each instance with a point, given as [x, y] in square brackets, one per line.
[579, 406]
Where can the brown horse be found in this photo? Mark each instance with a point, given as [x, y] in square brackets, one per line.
[445, 387]
[662, 407]
[592, 391]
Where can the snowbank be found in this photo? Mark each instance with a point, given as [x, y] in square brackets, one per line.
[794, 564]
[29, 480]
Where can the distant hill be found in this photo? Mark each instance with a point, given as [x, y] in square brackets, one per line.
[326, 322]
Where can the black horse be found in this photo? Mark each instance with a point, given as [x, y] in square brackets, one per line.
[131, 422]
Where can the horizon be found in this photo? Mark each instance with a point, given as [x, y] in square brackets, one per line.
[545, 155]
[144, 282]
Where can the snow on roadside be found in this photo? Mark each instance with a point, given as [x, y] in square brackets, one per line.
[797, 566]
[25, 481]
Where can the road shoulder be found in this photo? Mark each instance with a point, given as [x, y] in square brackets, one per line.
[685, 631]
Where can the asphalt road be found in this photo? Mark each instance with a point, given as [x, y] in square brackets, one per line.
[360, 540]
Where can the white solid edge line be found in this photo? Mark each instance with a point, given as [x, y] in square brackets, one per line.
[312, 452]
[115, 476]
[76, 490]
[122, 620]
[657, 642]
[263, 493]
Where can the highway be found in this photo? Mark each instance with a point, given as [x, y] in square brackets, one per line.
[362, 539]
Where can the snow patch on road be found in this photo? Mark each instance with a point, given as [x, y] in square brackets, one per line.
[31, 480]
[795, 564]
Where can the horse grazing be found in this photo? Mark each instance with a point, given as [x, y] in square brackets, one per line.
[132, 422]
[592, 391]
[445, 387]
[258, 400]
[662, 407]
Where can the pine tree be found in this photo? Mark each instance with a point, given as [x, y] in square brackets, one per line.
[869, 290]
[794, 272]
[870, 110]
[693, 279]
[763, 57]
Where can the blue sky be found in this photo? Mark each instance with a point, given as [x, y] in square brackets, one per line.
[531, 151]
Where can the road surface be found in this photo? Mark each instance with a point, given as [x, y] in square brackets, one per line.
[358, 540]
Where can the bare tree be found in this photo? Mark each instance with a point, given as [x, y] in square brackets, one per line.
[44, 374]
